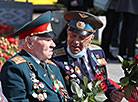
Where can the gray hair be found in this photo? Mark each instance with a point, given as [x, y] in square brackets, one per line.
[22, 41]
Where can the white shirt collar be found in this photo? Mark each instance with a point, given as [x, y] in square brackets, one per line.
[36, 59]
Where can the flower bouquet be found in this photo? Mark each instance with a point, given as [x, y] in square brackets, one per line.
[87, 92]
[129, 83]
[8, 46]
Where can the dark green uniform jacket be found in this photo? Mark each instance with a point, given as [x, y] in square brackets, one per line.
[24, 80]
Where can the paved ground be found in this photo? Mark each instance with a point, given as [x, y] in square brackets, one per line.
[114, 69]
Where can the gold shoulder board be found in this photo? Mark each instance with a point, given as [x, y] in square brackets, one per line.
[59, 52]
[18, 60]
[94, 47]
[50, 62]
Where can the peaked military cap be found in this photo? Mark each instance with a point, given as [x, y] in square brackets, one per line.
[41, 26]
[82, 23]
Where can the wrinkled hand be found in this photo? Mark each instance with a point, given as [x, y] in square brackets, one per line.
[116, 96]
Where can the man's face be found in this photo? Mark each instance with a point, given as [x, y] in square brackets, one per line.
[43, 48]
[78, 42]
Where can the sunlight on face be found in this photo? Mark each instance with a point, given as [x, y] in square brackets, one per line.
[43, 48]
[78, 42]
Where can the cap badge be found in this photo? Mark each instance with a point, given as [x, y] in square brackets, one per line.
[83, 15]
[80, 24]
[49, 28]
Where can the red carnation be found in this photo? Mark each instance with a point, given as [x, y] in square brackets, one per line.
[16, 41]
[3, 47]
[1, 31]
[1, 54]
[0, 67]
[100, 77]
[4, 54]
[7, 57]
[136, 59]
[103, 86]
[11, 39]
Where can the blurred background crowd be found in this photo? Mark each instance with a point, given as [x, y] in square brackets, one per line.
[120, 18]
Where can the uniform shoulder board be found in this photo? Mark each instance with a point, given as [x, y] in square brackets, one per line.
[59, 52]
[94, 47]
[50, 62]
[18, 60]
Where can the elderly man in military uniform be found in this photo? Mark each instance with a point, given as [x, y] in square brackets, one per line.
[77, 57]
[29, 76]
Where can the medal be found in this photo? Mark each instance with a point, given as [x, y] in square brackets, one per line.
[77, 70]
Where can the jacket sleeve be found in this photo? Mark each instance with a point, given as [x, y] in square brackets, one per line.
[108, 83]
[13, 83]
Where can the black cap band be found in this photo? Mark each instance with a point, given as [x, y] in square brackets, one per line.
[77, 31]
[47, 34]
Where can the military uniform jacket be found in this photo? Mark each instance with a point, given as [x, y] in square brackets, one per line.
[24, 80]
[71, 70]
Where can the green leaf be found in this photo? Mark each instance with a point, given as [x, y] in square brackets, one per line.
[125, 64]
[120, 58]
[85, 80]
[83, 88]
[124, 81]
[75, 88]
[86, 100]
[90, 93]
[75, 97]
[127, 93]
[132, 87]
[137, 82]
[98, 82]
[80, 93]
[134, 74]
[131, 63]
[100, 97]
[90, 86]
[91, 99]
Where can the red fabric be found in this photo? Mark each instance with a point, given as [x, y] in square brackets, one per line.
[114, 83]
[132, 100]
[41, 28]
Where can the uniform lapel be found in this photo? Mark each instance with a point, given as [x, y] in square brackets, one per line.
[44, 76]
[91, 61]
[79, 66]
[40, 72]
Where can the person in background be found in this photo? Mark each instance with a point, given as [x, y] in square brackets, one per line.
[81, 5]
[77, 57]
[29, 76]
[129, 31]
[112, 18]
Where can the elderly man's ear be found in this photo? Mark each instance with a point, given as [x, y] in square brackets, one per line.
[29, 42]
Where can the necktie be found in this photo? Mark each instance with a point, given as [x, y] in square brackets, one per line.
[83, 66]
[43, 64]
